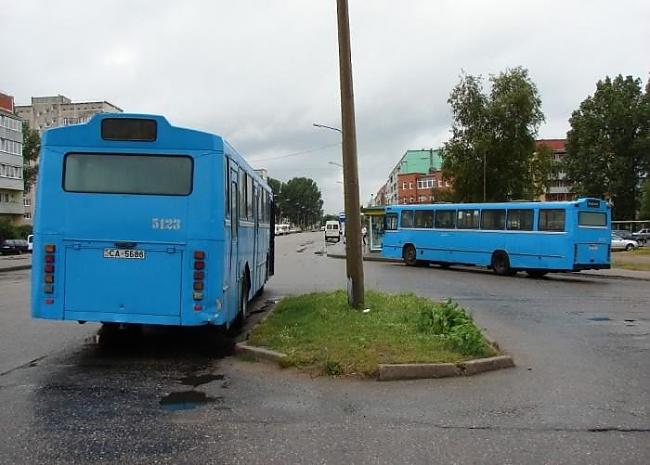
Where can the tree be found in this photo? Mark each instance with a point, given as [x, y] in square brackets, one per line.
[495, 133]
[300, 201]
[644, 213]
[608, 145]
[31, 149]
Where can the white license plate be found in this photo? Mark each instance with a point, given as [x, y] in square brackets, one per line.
[124, 253]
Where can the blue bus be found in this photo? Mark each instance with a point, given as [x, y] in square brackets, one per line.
[141, 222]
[536, 237]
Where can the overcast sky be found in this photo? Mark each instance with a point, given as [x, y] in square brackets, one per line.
[260, 72]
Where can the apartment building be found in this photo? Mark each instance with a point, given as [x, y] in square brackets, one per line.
[11, 161]
[416, 178]
[559, 188]
[52, 111]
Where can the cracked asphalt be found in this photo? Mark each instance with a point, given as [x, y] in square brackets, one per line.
[579, 394]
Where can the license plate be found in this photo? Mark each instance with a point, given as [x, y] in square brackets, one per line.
[593, 247]
[124, 253]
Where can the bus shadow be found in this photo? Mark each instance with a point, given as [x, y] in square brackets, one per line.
[551, 277]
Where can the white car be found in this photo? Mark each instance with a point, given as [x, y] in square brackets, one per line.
[618, 243]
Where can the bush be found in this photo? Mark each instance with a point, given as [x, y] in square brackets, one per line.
[450, 322]
[22, 231]
[7, 230]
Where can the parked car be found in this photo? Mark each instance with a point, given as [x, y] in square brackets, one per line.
[619, 243]
[14, 246]
[30, 242]
[642, 235]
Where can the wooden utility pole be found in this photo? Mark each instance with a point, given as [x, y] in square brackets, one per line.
[354, 252]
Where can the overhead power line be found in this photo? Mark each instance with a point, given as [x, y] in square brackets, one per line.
[295, 154]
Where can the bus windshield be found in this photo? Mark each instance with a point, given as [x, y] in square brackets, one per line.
[128, 174]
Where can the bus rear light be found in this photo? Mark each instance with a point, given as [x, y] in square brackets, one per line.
[49, 301]
[49, 279]
[199, 275]
[50, 248]
[198, 296]
[48, 289]
[49, 259]
[199, 255]
[49, 268]
[198, 285]
[199, 265]
[198, 307]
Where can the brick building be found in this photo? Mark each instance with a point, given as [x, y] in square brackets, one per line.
[559, 188]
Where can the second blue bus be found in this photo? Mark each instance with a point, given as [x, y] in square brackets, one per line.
[536, 237]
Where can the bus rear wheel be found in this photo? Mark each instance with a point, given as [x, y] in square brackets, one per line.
[501, 264]
[410, 255]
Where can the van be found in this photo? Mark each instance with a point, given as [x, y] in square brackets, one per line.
[332, 231]
[30, 243]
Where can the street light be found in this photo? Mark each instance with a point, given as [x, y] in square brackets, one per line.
[324, 126]
[335, 164]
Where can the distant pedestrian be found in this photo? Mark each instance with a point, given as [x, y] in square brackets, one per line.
[364, 233]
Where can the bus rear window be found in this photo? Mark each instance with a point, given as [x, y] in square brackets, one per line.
[592, 219]
[127, 174]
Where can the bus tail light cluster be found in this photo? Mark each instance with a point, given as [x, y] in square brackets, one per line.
[48, 268]
[199, 279]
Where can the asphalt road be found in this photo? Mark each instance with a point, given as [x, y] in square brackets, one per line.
[579, 394]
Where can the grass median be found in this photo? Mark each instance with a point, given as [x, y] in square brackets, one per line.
[322, 333]
[634, 260]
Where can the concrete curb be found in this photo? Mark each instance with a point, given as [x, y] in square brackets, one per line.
[241, 348]
[16, 268]
[394, 372]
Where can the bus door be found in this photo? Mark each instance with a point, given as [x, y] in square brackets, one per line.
[232, 291]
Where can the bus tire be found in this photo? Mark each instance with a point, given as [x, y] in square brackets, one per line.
[501, 264]
[243, 300]
[409, 254]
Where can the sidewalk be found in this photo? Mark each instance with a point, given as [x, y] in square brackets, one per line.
[338, 251]
[15, 262]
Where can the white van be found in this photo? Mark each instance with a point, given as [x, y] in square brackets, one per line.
[332, 231]
[30, 243]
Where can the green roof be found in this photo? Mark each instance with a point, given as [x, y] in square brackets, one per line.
[420, 161]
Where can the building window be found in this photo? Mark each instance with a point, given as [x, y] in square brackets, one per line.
[27, 202]
[27, 216]
[410, 185]
[403, 186]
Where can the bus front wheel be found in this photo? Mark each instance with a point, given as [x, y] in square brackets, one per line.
[410, 255]
[501, 264]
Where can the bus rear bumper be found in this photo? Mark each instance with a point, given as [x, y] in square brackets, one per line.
[165, 320]
[592, 266]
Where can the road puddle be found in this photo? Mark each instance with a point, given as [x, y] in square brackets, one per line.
[600, 318]
[198, 380]
[186, 400]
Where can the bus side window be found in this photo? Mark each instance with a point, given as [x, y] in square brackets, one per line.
[243, 213]
[551, 219]
[250, 199]
[424, 218]
[407, 219]
[520, 220]
[467, 219]
[226, 183]
[493, 219]
[390, 222]
[445, 219]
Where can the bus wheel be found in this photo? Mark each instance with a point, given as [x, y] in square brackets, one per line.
[501, 264]
[536, 273]
[410, 255]
[243, 305]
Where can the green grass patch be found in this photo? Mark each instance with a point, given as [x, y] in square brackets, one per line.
[321, 331]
